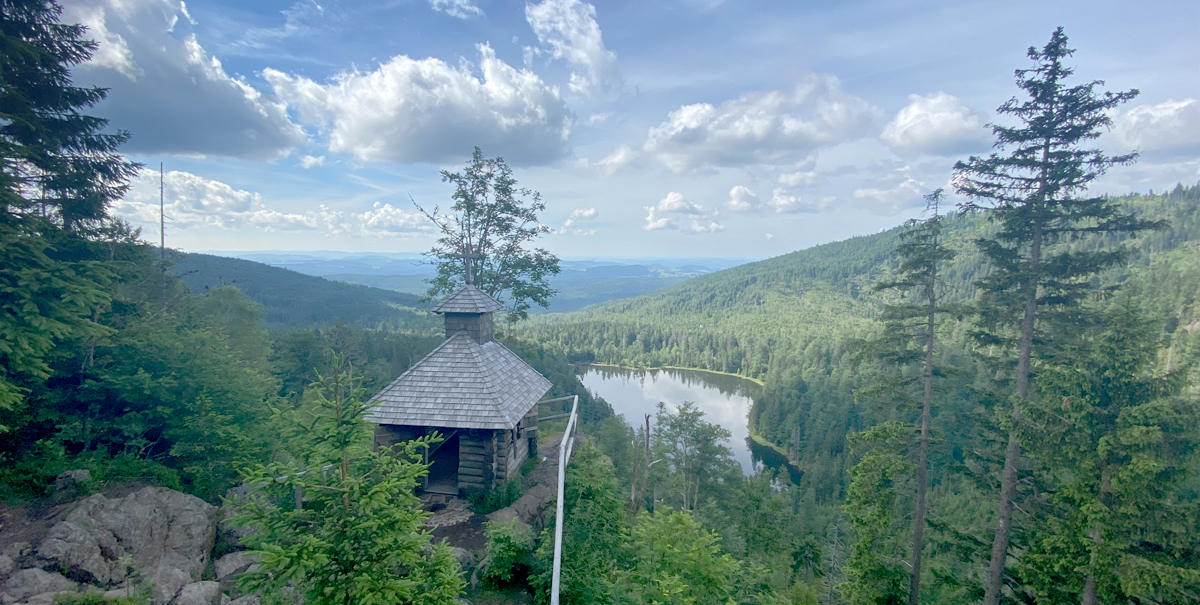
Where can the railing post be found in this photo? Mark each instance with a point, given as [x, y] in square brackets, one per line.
[565, 448]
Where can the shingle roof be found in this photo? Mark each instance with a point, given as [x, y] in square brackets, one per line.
[468, 299]
[461, 384]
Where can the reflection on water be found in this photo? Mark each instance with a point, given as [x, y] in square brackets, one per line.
[724, 399]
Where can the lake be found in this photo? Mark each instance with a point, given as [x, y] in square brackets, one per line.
[724, 399]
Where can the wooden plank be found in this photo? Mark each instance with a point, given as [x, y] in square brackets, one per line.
[478, 459]
[470, 472]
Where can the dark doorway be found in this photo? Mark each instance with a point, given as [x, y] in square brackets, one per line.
[443, 474]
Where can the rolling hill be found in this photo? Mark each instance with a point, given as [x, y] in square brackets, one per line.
[292, 299]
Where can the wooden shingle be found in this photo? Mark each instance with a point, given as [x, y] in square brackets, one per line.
[462, 384]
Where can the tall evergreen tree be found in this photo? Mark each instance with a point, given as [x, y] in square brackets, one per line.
[1116, 441]
[58, 174]
[1033, 190]
[57, 162]
[910, 339]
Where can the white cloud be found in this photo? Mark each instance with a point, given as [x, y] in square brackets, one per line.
[616, 160]
[463, 9]
[802, 175]
[770, 236]
[935, 124]
[168, 91]
[388, 220]
[113, 52]
[741, 199]
[309, 161]
[411, 110]
[571, 225]
[569, 29]
[598, 118]
[1170, 126]
[299, 19]
[760, 128]
[195, 201]
[675, 212]
[891, 193]
[782, 202]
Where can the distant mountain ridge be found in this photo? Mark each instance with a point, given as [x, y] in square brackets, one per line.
[293, 299]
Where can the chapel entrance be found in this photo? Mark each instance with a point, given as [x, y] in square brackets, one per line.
[443, 474]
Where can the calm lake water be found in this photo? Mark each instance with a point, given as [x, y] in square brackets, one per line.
[725, 400]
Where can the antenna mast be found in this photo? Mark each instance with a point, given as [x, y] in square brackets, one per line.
[162, 221]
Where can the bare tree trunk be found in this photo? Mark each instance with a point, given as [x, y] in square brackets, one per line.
[1089, 586]
[1012, 453]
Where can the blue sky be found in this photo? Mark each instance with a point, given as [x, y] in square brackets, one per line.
[651, 128]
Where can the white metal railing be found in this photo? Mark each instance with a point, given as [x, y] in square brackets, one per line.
[565, 448]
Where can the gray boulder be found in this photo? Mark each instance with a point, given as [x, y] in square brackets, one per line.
[165, 535]
[249, 599]
[87, 553]
[29, 582]
[69, 481]
[233, 564]
[156, 526]
[7, 566]
[466, 560]
[167, 583]
[199, 593]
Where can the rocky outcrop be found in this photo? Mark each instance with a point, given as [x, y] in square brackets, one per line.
[154, 534]
[34, 582]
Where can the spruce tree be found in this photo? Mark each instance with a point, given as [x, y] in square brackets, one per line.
[914, 321]
[57, 162]
[1035, 190]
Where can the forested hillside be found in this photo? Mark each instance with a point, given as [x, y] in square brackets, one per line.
[295, 299]
[792, 320]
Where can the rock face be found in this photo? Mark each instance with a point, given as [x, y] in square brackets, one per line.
[152, 534]
[31, 582]
[199, 593]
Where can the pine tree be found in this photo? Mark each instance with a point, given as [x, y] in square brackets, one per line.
[57, 162]
[1115, 439]
[922, 252]
[1033, 191]
[344, 525]
[58, 174]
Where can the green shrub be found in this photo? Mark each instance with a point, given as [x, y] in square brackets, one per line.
[509, 553]
[98, 598]
[124, 467]
[28, 476]
[497, 498]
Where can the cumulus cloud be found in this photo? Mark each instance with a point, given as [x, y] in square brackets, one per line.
[578, 215]
[675, 212]
[802, 174]
[424, 110]
[891, 193]
[741, 199]
[168, 91]
[782, 202]
[935, 124]
[387, 220]
[463, 9]
[1169, 128]
[309, 161]
[196, 201]
[568, 29]
[760, 128]
[616, 160]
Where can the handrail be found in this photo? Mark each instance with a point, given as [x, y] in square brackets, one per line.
[565, 448]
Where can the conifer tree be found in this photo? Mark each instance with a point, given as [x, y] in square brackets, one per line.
[58, 174]
[908, 323]
[1115, 439]
[1035, 190]
[343, 525]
